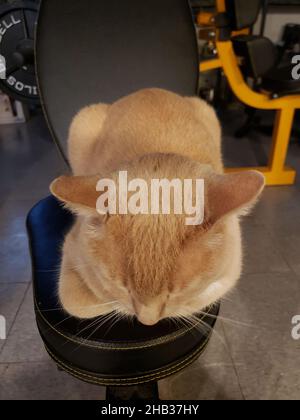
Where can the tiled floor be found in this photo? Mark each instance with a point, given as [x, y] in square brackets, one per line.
[252, 354]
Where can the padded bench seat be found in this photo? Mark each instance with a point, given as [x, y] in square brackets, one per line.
[114, 353]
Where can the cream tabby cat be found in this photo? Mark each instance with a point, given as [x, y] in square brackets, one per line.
[153, 267]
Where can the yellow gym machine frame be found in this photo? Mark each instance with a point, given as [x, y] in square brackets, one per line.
[276, 172]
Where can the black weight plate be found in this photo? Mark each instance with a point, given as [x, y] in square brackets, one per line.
[17, 27]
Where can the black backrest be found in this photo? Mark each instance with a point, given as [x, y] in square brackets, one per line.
[100, 50]
[252, 48]
[242, 13]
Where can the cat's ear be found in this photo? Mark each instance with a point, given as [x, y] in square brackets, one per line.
[78, 193]
[232, 193]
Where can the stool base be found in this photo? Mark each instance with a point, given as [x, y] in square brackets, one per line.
[141, 392]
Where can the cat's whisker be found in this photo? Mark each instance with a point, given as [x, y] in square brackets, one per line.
[81, 307]
[173, 321]
[232, 321]
[208, 329]
[90, 325]
[203, 327]
[60, 322]
[107, 318]
[190, 324]
[86, 340]
[176, 321]
[194, 322]
[214, 332]
[119, 316]
[101, 322]
[94, 322]
[185, 321]
[226, 299]
[100, 318]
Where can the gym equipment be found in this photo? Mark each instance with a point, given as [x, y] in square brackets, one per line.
[282, 55]
[118, 47]
[17, 27]
[291, 38]
[240, 57]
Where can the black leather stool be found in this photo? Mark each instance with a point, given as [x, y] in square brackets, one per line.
[86, 53]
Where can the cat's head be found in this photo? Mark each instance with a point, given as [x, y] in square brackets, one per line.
[155, 266]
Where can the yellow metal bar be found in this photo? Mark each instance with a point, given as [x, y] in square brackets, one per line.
[205, 19]
[220, 5]
[276, 173]
[210, 65]
[242, 90]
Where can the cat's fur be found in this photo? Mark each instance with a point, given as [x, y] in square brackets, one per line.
[150, 266]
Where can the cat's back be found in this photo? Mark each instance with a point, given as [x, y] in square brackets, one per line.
[157, 121]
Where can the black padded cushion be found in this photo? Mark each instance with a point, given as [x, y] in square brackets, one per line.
[121, 353]
[101, 50]
[279, 82]
[252, 49]
[242, 13]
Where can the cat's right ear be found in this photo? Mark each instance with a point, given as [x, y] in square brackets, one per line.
[78, 193]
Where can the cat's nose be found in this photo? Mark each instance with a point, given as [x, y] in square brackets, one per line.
[148, 321]
[147, 316]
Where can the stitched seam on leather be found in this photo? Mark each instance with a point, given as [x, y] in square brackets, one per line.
[104, 383]
[139, 377]
[180, 365]
[113, 347]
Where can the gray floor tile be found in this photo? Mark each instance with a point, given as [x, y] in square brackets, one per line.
[24, 343]
[279, 206]
[238, 153]
[11, 297]
[265, 355]
[287, 238]
[33, 186]
[43, 381]
[13, 215]
[211, 377]
[279, 212]
[261, 253]
[3, 368]
[14, 259]
[290, 249]
[252, 150]
[269, 376]
[28, 161]
[14, 256]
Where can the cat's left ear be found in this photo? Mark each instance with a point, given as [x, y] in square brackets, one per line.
[78, 193]
[234, 193]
